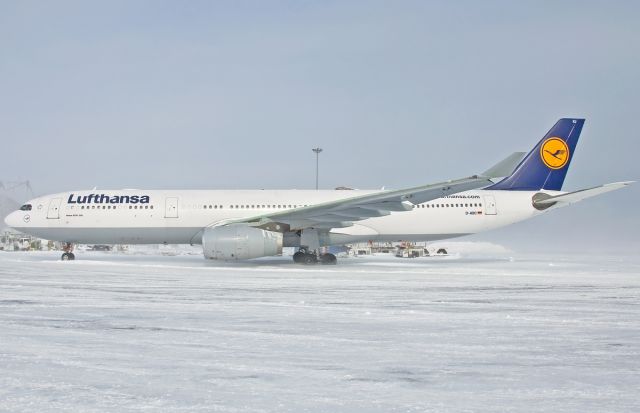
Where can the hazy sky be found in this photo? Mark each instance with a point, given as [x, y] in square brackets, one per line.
[152, 94]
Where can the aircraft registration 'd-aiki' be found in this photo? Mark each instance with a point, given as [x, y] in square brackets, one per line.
[244, 224]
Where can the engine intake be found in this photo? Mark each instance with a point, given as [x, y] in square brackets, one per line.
[240, 242]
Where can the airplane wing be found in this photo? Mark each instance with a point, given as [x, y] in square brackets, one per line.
[342, 213]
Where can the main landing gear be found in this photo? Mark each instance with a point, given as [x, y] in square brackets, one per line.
[68, 252]
[303, 256]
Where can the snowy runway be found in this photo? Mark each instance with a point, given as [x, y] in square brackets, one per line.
[131, 333]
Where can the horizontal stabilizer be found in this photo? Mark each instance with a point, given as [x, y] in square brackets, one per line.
[544, 201]
[505, 167]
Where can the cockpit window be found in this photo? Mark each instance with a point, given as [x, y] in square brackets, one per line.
[25, 207]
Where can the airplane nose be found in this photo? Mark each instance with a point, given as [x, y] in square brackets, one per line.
[12, 220]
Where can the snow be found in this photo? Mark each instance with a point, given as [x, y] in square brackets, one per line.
[469, 332]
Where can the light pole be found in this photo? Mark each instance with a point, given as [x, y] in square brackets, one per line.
[317, 151]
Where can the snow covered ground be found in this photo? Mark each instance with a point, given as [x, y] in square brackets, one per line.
[485, 332]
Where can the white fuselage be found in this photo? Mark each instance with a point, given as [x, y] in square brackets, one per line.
[179, 217]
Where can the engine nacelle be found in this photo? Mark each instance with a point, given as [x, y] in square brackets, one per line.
[240, 242]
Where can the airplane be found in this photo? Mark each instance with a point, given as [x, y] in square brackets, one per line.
[245, 224]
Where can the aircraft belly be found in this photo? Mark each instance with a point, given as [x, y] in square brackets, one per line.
[149, 235]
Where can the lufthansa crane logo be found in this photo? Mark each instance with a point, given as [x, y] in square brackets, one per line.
[554, 153]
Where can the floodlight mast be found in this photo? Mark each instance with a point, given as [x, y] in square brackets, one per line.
[317, 151]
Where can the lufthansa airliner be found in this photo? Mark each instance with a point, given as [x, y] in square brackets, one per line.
[244, 224]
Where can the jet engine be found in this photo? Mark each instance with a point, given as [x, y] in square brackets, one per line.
[240, 242]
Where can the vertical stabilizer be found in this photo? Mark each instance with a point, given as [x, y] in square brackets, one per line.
[546, 166]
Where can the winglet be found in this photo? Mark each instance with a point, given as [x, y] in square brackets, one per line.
[505, 167]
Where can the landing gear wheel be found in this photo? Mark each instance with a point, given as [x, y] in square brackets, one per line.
[441, 251]
[298, 257]
[328, 259]
[67, 247]
[309, 259]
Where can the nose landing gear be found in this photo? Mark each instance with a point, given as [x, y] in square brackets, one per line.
[68, 254]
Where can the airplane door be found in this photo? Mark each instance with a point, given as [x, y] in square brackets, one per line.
[54, 209]
[490, 205]
[171, 207]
